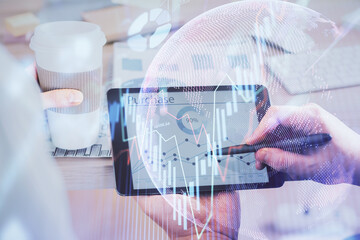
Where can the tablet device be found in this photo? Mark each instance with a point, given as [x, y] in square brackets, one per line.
[182, 126]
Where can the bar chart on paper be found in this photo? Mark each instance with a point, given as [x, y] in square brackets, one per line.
[100, 149]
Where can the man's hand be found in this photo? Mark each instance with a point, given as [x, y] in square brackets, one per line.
[336, 162]
[61, 98]
[57, 98]
[223, 211]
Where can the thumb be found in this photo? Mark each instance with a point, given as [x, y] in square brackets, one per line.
[62, 98]
[280, 160]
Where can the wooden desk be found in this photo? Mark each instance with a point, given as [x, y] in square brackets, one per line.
[89, 173]
[96, 173]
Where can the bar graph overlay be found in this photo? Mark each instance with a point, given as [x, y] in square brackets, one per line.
[174, 146]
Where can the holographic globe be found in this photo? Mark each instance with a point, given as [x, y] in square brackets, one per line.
[210, 85]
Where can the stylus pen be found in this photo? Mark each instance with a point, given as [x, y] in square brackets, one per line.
[299, 145]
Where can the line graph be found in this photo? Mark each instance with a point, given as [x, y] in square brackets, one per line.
[271, 27]
[134, 141]
[172, 166]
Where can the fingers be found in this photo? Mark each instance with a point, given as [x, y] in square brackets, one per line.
[225, 218]
[282, 161]
[226, 213]
[62, 98]
[274, 116]
[304, 118]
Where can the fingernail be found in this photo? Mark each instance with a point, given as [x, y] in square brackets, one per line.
[75, 97]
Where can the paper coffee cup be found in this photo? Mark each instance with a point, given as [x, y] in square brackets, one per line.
[69, 55]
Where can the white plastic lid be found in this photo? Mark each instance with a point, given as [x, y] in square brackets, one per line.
[65, 34]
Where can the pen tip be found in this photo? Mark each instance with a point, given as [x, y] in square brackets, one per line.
[327, 137]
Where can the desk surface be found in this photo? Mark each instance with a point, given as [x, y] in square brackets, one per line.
[96, 173]
[90, 173]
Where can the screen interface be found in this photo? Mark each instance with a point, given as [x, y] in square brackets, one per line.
[171, 135]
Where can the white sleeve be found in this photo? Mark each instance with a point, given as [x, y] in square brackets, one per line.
[33, 202]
